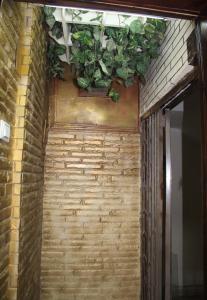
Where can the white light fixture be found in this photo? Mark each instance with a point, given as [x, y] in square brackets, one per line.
[111, 12]
[4, 131]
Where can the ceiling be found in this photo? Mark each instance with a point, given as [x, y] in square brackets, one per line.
[175, 8]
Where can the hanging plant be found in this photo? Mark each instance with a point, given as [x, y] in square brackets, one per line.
[101, 55]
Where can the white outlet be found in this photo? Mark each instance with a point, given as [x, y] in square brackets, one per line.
[4, 131]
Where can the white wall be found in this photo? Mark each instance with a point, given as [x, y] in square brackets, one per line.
[171, 65]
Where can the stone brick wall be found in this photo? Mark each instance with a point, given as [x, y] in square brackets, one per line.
[28, 159]
[10, 24]
[91, 211]
[171, 65]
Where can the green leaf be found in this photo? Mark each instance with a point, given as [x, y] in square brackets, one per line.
[103, 83]
[97, 74]
[114, 95]
[103, 67]
[97, 33]
[141, 68]
[55, 67]
[83, 82]
[119, 58]
[108, 58]
[84, 12]
[110, 32]
[159, 24]
[124, 73]
[48, 10]
[84, 37]
[143, 64]
[75, 50]
[77, 35]
[149, 28]
[50, 20]
[60, 49]
[153, 52]
[137, 26]
[110, 45]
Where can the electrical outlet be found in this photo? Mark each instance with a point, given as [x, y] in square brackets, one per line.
[4, 131]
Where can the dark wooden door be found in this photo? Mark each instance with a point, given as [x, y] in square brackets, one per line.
[152, 207]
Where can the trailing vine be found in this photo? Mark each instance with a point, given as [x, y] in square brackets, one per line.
[101, 54]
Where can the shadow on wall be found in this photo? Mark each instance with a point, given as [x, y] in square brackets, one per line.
[71, 108]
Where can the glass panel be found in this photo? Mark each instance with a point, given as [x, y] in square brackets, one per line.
[186, 200]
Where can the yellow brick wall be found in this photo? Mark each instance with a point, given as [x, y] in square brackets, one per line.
[10, 26]
[91, 211]
[28, 157]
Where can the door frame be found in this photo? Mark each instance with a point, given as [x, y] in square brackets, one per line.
[201, 32]
[167, 170]
[201, 77]
[167, 212]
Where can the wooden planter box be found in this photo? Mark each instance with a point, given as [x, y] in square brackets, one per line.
[94, 92]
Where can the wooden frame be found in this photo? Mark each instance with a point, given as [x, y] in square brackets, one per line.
[174, 8]
[168, 182]
[201, 76]
[152, 207]
[202, 57]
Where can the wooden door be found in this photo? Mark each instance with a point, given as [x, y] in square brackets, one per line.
[152, 207]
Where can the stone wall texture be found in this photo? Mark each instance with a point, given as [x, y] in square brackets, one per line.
[24, 106]
[171, 65]
[10, 25]
[91, 212]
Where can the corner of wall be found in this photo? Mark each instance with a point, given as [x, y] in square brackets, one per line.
[28, 155]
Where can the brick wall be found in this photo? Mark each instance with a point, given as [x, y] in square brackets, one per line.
[10, 24]
[28, 156]
[170, 66]
[91, 210]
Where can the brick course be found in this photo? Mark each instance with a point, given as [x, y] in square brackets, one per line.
[91, 210]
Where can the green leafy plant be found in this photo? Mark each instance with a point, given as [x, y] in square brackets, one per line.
[114, 95]
[49, 17]
[55, 68]
[101, 55]
[127, 54]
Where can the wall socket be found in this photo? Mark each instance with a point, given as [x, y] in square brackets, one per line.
[4, 131]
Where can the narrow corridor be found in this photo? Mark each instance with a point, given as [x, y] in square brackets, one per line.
[82, 222]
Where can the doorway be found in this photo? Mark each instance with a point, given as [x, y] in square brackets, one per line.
[184, 266]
